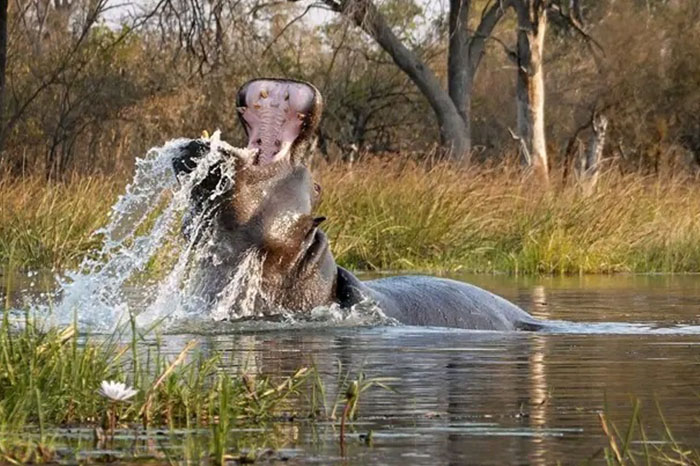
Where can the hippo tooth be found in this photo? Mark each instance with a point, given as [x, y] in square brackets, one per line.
[263, 94]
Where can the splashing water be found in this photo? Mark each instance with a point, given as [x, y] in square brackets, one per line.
[142, 222]
[147, 220]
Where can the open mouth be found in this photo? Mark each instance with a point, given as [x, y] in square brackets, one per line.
[276, 113]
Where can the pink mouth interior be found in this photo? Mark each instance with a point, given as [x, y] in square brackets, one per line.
[274, 113]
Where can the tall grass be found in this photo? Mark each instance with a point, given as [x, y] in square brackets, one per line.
[401, 215]
[49, 225]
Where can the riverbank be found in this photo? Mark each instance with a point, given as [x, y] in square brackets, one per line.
[404, 216]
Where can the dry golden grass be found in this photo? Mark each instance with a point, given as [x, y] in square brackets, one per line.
[403, 215]
[47, 225]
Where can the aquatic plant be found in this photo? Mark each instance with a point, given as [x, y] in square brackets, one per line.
[632, 446]
[56, 378]
[116, 391]
[62, 372]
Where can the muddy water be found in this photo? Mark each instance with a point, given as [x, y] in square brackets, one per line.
[498, 398]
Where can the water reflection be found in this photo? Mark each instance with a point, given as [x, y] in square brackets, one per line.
[483, 397]
[499, 398]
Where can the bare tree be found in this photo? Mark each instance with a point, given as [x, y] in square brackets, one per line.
[589, 165]
[452, 106]
[532, 19]
[530, 92]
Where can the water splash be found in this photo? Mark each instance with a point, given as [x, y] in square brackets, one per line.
[146, 224]
[142, 222]
[239, 297]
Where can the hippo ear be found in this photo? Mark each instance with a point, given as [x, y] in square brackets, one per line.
[277, 115]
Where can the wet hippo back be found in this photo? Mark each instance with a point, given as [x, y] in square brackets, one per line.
[439, 302]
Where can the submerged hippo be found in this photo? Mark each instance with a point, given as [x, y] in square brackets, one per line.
[271, 210]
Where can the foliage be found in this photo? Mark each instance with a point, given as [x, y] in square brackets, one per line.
[88, 96]
[49, 378]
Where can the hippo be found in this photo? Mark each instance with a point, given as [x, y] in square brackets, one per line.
[271, 210]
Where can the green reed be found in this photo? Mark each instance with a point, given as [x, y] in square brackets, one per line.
[631, 445]
[49, 378]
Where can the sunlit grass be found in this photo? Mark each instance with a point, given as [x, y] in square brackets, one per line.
[406, 216]
[49, 225]
[400, 215]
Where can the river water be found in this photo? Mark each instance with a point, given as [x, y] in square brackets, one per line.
[461, 397]
[465, 397]
[505, 398]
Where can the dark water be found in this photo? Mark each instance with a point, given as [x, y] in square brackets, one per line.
[505, 398]
[500, 398]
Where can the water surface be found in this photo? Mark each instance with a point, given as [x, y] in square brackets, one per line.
[506, 398]
[468, 397]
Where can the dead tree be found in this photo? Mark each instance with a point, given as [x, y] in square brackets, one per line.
[590, 162]
[530, 92]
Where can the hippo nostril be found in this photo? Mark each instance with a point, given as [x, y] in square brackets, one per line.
[258, 141]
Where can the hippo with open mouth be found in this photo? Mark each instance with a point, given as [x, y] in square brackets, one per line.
[270, 209]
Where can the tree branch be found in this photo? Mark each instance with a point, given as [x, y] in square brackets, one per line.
[575, 22]
[489, 19]
[365, 14]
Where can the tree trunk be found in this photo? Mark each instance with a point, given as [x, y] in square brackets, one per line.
[452, 128]
[459, 83]
[3, 70]
[532, 23]
[466, 48]
[589, 166]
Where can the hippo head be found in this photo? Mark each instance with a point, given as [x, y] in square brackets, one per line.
[270, 206]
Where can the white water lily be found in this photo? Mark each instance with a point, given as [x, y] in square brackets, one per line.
[116, 391]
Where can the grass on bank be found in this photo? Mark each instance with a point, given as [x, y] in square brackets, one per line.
[399, 215]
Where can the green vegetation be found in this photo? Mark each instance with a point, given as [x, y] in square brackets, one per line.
[50, 379]
[403, 216]
[49, 382]
[631, 446]
[406, 216]
[47, 225]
